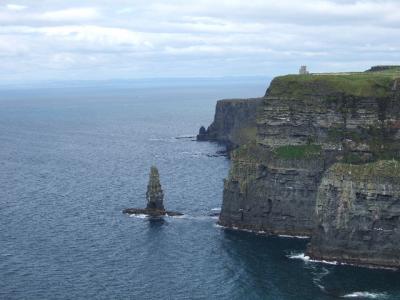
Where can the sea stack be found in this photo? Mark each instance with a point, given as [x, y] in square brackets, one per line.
[154, 195]
[155, 199]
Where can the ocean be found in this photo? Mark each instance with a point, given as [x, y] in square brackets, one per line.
[71, 159]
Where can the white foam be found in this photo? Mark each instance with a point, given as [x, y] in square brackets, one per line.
[306, 258]
[177, 217]
[196, 218]
[366, 295]
[318, 278]
[300, 256]
[185, 136]
[165, 139]
[216, 225]
[216, 209]
[139, 216]
[294, 236]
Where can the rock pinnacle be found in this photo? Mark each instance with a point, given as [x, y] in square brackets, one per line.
[154, 195]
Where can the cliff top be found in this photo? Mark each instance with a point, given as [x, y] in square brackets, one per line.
[238, 101]
[377, 83]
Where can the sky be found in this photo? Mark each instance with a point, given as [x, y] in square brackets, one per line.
[121, 39]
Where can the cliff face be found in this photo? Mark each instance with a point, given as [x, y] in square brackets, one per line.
[234, 123]
[336, 112]
[358, 215]
[305, 124]
[270, 194]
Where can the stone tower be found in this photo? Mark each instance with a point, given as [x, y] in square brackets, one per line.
[154, 195]
[303, 70]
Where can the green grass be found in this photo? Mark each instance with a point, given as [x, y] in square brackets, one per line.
[251, 152]
[366, 84]
[379, 169]
[298, 152]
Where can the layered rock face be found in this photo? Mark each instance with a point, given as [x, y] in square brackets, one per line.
[234, 122]
[358, 215]
[305, 124]
[154, 194]
[318, 110]
[265, 193]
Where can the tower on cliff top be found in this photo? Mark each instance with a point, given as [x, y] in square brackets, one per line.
[303, 70]
[154, 195]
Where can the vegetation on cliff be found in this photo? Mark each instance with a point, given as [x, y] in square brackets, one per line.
[380, 169]
[327, 143]
[362, 84]
[298, 151]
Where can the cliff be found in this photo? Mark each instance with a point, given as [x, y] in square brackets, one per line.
[234, 123]
[305, 124]
[358, 215]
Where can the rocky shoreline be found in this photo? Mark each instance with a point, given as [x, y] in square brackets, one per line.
[323, 162]
[151, 212]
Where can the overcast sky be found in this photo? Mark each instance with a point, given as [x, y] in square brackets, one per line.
[104, 39]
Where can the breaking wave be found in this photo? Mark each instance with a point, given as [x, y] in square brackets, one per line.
[306, 258]
[366, 295]
[139, 216]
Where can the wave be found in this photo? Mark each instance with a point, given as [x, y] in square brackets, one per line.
[176, 217]
[366, 295]
[216, 225]
[196, 218]
[139, 216]
[216, 209]
[306, 258]
[318, 277]
[185, 136]
[294, 236]
[160, 139]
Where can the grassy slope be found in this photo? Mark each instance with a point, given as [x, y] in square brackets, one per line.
[379, 169]
[365, 84]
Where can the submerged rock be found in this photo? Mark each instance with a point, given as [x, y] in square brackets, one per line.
[155, 199]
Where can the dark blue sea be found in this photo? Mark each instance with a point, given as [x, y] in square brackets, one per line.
[71, 159]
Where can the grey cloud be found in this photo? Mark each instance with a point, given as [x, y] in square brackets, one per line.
[194, 38]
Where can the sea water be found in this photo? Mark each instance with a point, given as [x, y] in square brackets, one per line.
[71, 159]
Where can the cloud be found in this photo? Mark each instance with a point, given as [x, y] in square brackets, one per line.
[74, 14]
[197, 38]
[88, 37]
[125, 10]
[15, 7]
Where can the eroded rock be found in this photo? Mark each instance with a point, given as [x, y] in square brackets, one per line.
[155, 198]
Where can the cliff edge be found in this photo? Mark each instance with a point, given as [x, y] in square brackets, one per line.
[304, 125]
